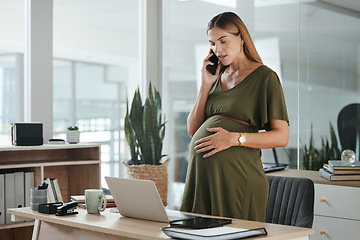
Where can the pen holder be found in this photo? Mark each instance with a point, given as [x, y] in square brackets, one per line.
[37, 196]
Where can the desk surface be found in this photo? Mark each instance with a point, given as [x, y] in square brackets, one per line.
[113, 223]
[314, 176]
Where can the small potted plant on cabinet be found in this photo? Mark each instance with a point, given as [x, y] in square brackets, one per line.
[73, 134]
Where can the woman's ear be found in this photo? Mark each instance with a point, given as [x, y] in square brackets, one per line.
[241, 38]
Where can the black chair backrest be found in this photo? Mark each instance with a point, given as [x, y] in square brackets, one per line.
[291, 201]
[349, 127]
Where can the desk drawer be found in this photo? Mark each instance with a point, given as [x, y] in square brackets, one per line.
[337, 201]
[327, 228]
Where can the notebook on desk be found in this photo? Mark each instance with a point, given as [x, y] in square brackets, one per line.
[140, 199]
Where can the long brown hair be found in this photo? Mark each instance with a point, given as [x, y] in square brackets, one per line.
[233, 24]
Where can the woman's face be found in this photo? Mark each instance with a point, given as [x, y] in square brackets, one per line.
[226, 46]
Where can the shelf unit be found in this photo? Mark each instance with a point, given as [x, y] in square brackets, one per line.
[75, 166]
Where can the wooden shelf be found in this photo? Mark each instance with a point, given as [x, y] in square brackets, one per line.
[17, 225]
[75, 166]
[47, 147]
[11, 231]
[49, 153]
[32, 165]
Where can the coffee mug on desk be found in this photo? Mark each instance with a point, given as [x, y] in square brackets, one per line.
[95, 200]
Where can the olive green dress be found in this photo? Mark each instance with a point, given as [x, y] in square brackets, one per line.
[232, 183]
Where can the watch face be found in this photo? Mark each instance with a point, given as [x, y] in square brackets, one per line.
[242, 139]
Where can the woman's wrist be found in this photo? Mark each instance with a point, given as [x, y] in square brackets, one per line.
[205, 88]
[237, 139]
[234, 139]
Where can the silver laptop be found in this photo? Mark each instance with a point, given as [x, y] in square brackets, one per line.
[140, 199]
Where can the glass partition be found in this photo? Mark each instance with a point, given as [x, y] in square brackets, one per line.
[329, 79]
[312, 45]
[274, 31]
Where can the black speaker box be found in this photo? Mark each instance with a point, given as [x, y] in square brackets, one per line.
[27, 134]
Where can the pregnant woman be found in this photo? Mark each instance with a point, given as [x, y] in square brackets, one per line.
[225, 175]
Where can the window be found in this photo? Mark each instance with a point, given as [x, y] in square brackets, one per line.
[11, 66]
[95, 60]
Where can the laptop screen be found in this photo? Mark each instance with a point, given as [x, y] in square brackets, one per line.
[276, 166]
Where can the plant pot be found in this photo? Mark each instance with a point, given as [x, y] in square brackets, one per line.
[156, 173]
[73, 136]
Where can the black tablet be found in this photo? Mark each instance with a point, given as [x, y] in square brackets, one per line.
[201, 223]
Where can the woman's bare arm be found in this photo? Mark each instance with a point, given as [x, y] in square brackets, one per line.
[278, 136]
[197, 115]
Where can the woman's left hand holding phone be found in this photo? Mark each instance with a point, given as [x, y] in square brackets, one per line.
[197, 114]
[208, 79]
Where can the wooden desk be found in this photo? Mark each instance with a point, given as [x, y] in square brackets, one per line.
[108, 225]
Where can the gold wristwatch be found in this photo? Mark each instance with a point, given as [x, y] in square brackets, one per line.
[242, 139]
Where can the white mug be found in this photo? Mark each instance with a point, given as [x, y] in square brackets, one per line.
[95, 200]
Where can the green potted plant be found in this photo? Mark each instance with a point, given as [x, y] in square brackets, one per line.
[313, 159]
[144, 132]
[73, 134]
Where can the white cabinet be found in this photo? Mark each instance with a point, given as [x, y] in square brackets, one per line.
[337, 212]
[336, 206]
[330, 228]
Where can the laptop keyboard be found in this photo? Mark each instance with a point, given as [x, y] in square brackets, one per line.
[173, 217]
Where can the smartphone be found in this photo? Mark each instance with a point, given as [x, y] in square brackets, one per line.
[214, 59]
[201, 222]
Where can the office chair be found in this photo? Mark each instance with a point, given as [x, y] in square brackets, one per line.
[291, 201]
[349, 128]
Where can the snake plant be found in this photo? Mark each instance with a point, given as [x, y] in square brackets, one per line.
[144, 129]
[313, 159]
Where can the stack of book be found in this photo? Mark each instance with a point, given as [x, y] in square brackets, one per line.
[337, 170]
[53, 191]
[81, 201]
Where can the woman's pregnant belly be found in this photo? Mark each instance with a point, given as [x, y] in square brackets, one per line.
[232, 163]
[224, 155]
[219, 121]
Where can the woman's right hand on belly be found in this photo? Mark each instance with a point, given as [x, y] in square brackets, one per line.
[220, 140]
[207, 79]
